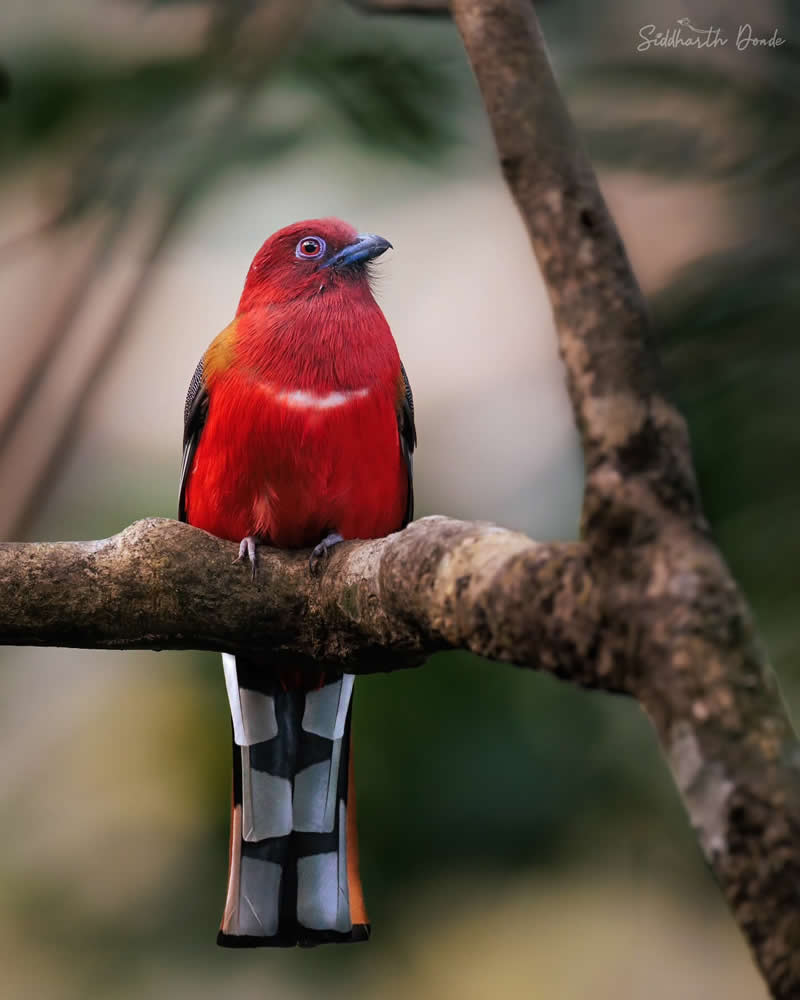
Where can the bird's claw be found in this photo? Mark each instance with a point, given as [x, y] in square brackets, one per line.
[248, 548]
[320, 552]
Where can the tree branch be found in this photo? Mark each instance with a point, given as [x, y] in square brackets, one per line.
[627, 426]
[674, 618]
[378, 605]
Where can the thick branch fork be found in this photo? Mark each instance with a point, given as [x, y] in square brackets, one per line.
[377, 605]
[673, 613]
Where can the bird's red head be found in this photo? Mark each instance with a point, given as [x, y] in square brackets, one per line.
[307, 258]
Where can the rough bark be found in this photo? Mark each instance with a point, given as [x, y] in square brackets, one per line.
[675, 625]
[378, 605]
[643, 604]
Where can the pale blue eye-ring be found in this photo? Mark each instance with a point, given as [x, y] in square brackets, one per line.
[310, 247]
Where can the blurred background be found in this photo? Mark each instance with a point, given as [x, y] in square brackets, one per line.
[519, 838]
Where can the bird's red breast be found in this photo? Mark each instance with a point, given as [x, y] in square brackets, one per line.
[301, 437]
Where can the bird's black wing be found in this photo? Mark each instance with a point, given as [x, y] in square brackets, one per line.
[408, 438]
[194, 417]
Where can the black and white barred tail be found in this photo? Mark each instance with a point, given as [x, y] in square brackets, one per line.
[293, 872]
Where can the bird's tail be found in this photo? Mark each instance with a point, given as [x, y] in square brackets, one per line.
[293, 872]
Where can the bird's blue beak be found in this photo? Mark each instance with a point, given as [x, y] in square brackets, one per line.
[367, 246]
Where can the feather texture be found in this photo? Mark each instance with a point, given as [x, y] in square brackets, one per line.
[299, 423]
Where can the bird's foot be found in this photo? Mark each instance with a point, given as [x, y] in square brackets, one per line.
[248, 549]
[320, 552]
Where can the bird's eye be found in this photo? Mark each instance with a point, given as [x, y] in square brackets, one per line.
[310, 247]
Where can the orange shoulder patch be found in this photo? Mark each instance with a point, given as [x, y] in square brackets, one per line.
[220, 354]
[400, 392]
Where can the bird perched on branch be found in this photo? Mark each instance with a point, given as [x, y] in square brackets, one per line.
[298, 432]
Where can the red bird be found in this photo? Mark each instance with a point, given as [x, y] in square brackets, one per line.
[298, 431]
